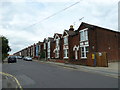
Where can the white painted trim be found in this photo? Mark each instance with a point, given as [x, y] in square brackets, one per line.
[76, 47]
[83, 29]
[83, 45]
[84, 51]
[83, 57]
[56, 35]
[65, 57]
[67, 39]
[63, 33]
[76, 54]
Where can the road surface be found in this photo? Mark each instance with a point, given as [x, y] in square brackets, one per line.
[32, 74]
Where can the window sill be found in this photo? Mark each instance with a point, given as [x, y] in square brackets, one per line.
[83, 57]
[65, 57]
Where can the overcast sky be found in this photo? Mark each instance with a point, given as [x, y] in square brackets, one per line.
[16, 16]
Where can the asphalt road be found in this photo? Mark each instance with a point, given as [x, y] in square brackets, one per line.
[31, 74]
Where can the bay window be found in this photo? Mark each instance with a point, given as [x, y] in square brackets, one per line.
[44, 45]
[65, 53]
[65, 40]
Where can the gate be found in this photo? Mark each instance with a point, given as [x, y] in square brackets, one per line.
[101, 59]
[97, 59]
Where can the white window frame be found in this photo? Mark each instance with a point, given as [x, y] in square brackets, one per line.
[57, 42]
[65, 53]
[84, 51]
[76, 54]
[84, 35]
[49, 45]
[44, 45]
[65, 40]
[39, 48]
[48, 51]
[57, 54]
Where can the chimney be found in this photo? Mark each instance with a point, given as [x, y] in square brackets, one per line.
[71, 28]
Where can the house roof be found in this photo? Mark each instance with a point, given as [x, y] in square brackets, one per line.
[70, 32]
[59, 35]
[51, 39]
[94, 26]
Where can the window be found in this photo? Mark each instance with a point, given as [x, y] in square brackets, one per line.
[49, 44]
[57, 54]
[44, 45]
[57, 42]
[84, 51]
[84, 35]
[39, 48]
[81, 36]
[48, 53]
[65, 40]
[65, 53]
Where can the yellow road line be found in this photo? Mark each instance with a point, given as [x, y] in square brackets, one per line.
[14, 78]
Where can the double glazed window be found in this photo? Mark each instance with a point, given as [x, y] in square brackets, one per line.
[49, 45]
[57, 42]
[66, 40]
[84, 35]
[48, 51]
[84, 51]
[57, 48]
[44, 45]
[57, 54]
[65, 53]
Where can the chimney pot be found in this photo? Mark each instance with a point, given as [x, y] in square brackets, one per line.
[71, 28]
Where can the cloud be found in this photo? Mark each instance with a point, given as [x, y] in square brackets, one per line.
[17, 16]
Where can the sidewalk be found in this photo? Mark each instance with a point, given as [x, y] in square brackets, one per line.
[8, 82]
[111, 70]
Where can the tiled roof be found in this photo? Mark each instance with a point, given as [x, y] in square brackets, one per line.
[70, 32]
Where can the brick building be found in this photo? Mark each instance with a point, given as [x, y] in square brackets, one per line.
[78, 46]
[57, 45]
[45, 48]
[50, 48]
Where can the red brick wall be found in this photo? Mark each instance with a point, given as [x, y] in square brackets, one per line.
[119, 46]
[74, 41]
[52, 47]
[61, 48]
[107, 41]
[101, 39]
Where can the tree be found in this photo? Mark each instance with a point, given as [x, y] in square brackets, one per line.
[5, 47]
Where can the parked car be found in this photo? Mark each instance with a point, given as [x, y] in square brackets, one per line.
[27, 58]
[12, 59]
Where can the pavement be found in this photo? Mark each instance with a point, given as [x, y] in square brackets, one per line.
[112, 69]
[8, 82]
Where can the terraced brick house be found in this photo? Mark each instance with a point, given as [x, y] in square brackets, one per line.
[57, 40]
[66, 43]
[95, 39]
[50, 48]
[45, 48]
